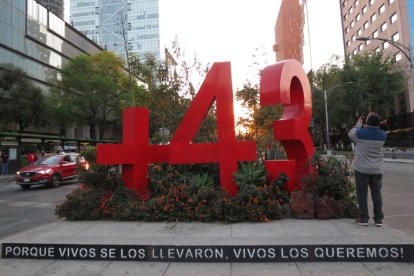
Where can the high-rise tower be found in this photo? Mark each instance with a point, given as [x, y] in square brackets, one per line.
[289, 31]
[101, 21]
[54, 6]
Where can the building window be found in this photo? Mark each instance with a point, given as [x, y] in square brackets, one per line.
[359, 32]
[353, 38]
[382, 9]
[383, 27]
[361, 47]
[352, 23]
[398, 56]
[346, 16]
[385, 45]
[375, 34]
[356, 3]
[343, 3]
[358, 17]
[348, 43]
[371, 2]
[393, 18]
[346, 30]
[390, 2]
[373, 17]
[364, 9]
[396, 37]
[354, 52]
[377, 50]
[366, 25]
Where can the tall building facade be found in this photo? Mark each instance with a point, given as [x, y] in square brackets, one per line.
[40, 43]
[37, 41]
[101, 21]
[289, 31]
[54, 6]
[382, 25]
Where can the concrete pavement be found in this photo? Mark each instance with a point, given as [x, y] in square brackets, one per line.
[281, 232]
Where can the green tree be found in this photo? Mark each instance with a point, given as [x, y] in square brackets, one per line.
[21, 101]
[260, 120]
[378, 78]
[170, 89]
[91, 91]
[377, 82]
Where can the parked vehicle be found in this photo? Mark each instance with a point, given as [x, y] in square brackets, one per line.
[51, 170]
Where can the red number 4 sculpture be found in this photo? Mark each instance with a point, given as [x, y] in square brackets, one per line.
[283, 83]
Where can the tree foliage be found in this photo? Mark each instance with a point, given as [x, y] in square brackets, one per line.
[260, 121]
[376, 82]
[171, 86]
[21, 101]
[91, 89]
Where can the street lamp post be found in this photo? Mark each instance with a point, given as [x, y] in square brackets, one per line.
[396, 44]
[326, 94]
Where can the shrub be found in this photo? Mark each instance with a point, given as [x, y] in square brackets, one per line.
[185, 193]
[332, 179]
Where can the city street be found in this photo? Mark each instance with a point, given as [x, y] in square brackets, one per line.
[24, 209]
[398, 195]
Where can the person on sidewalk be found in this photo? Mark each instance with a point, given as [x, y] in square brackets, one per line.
[31, 158]
[368, 165]
[4, 162]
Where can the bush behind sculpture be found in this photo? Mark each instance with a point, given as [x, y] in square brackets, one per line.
[182, 192]
[192, 193]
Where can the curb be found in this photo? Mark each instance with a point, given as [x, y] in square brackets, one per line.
[401, 161]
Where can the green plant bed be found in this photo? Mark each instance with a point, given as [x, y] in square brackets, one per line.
[192, 193]
[175, 194]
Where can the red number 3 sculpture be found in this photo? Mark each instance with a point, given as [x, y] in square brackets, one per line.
[284, 83]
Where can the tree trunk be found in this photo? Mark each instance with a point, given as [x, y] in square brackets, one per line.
[92, 131]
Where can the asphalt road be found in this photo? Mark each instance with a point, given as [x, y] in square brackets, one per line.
[24, 209]
[398, 196]
[21, 209]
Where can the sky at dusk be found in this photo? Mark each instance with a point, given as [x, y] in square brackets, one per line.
[231, 30]
[234, 30]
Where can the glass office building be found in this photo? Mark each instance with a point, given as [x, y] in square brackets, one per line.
[40, 43]
[54, 6]
[100, 21]
[37, 41]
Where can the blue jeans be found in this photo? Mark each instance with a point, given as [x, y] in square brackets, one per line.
[4, 168]
[374, 182]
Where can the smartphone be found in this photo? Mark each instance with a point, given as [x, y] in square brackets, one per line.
[364, 119]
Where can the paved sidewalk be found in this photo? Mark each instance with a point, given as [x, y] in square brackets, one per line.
[7, 178]
[281, 232]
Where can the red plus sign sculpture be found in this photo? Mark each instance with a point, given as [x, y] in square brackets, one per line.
[135, 152]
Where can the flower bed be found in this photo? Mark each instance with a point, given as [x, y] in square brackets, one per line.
[192, 193]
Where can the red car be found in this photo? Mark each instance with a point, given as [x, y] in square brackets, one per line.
[51, 170]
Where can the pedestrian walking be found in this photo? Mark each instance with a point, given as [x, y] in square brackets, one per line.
[4, 162]
[368, 165]
[31, 158]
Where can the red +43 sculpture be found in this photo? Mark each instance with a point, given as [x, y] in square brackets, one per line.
[283, 83]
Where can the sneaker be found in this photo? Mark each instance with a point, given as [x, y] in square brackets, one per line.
[360, 222]
[379, 224]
